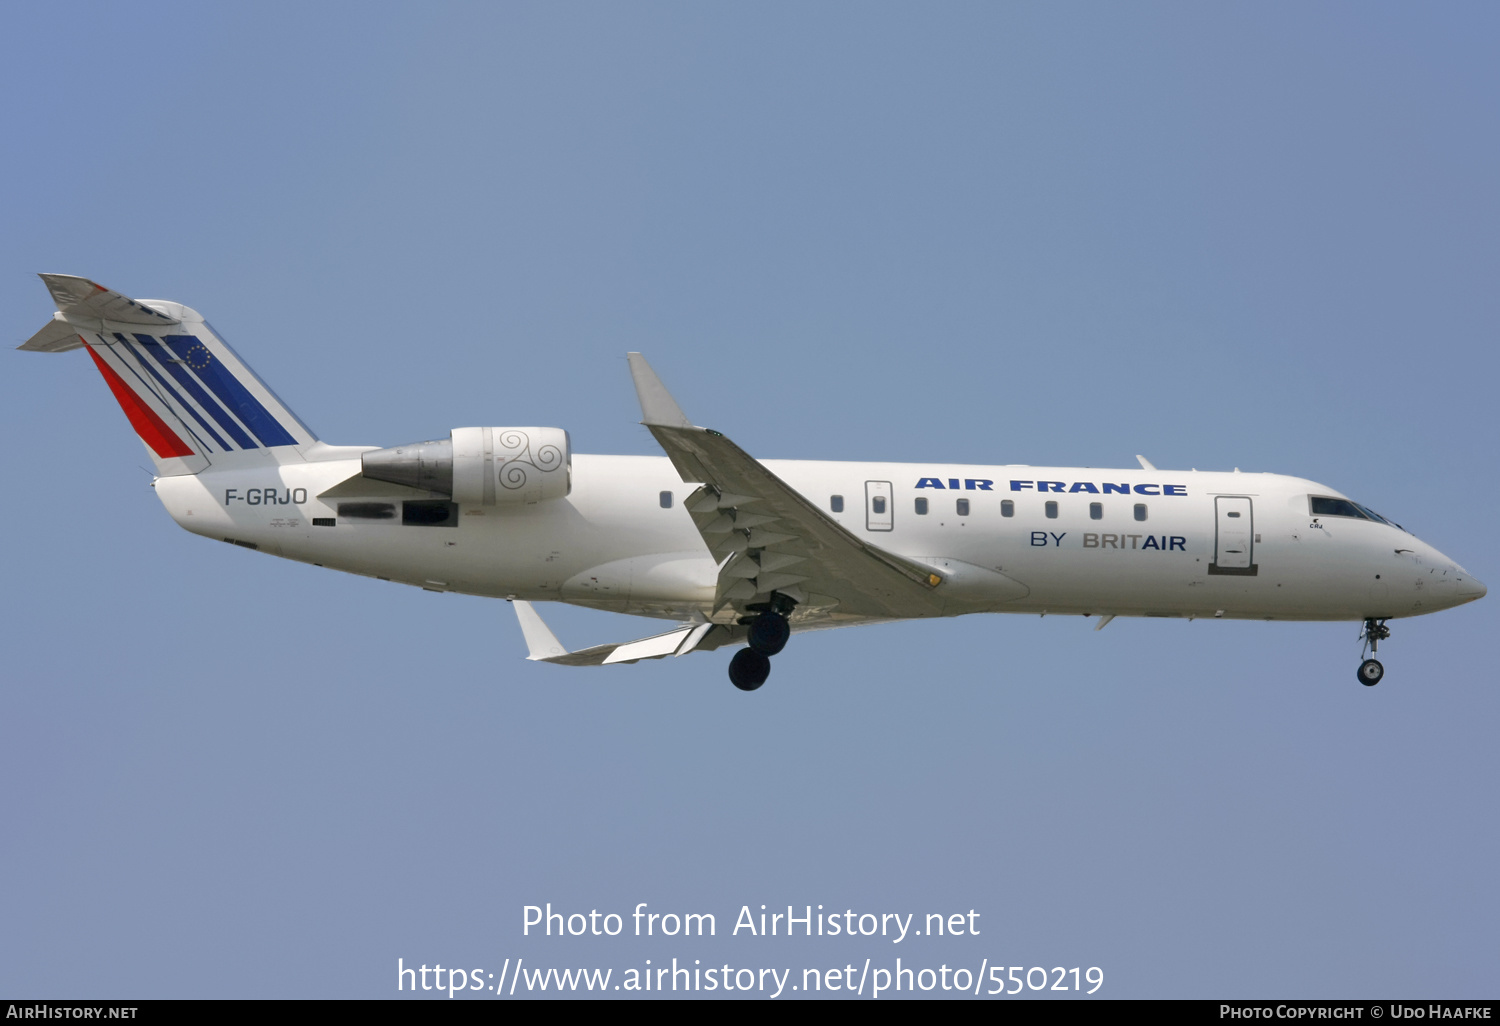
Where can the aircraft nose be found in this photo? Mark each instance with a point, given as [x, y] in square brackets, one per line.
[1469, 588]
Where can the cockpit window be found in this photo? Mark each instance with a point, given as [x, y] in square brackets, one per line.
[1324, 506]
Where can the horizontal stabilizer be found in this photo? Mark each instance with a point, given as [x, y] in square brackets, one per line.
[88, 299]
[86, 304]
[544, 647]
[57, 337]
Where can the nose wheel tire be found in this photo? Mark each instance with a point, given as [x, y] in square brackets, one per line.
[749, 669]
[1370, 672]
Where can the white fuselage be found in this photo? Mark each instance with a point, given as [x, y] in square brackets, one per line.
[612, 544]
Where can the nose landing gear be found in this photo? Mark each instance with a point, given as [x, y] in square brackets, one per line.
[1370, 671]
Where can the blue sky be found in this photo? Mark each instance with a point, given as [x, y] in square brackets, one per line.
[1236, 235]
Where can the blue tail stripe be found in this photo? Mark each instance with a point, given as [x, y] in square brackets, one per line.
[227, 387]
[145, 386]
[193, 389]
[263, 382]
[173, 393]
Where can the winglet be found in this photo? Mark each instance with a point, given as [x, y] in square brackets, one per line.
[657, 405]
[541, 643]
[1145, 463]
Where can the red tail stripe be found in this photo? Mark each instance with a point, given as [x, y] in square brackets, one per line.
[152, 429]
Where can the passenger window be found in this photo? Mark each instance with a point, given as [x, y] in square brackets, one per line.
[1140, 511]
[878, 504]
[666, 500]
[1007, 508]
[836, 503]
[1096, 511]
[921, 507]
[1051, 511]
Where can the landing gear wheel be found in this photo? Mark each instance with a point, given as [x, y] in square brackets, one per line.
[769, 633]
[749, 669]
[1374, 632]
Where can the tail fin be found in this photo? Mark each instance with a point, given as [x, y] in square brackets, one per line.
[189, 396]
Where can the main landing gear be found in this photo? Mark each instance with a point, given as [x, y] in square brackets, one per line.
[749, 669]
[1370, 671]
[768, 634]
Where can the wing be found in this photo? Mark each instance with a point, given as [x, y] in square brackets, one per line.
[772, 541]
[543, 647]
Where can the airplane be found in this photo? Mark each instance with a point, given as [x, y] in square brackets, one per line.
[734, 551]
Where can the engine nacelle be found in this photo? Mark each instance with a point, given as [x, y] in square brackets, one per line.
[484, 466]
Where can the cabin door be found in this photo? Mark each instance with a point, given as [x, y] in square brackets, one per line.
[1234, 541]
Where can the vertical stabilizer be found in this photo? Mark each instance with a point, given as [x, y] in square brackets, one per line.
[187, 394]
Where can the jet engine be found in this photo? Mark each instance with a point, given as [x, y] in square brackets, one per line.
[482, 465]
